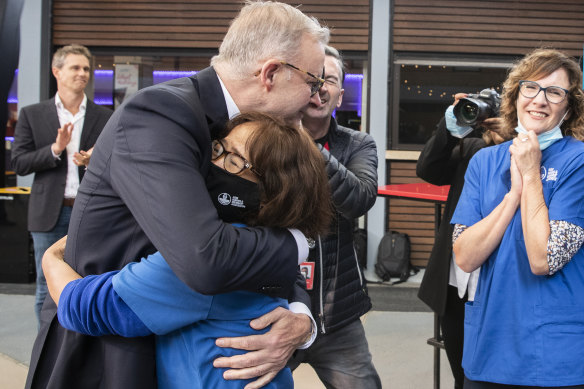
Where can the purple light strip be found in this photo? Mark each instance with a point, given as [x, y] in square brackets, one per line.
[103, 73]
[105, 101]
[173, 73]
[168, 74]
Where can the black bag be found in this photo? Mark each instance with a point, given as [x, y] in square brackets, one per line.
[393, 258]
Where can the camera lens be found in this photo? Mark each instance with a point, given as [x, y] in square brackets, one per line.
[469, 112]
[475, 108]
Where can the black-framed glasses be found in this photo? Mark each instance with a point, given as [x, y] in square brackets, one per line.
[553, 94]
[315, 85]
[233, 162]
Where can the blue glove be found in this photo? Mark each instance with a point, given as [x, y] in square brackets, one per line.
[454, 129]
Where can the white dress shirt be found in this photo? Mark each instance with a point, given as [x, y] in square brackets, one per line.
[72, 182]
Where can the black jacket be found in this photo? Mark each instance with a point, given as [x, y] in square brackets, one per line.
[443, 161]
[339, 294]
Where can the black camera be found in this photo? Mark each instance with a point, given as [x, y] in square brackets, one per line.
[473, 109]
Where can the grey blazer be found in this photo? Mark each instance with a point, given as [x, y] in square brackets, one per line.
[35, 132]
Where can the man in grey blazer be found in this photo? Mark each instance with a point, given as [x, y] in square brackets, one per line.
[54, 139]
[145, 190]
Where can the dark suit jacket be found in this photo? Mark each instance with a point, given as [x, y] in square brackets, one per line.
[145, 188]
[443, 161]
[35, 132]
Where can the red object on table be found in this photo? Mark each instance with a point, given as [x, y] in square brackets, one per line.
[422, 191]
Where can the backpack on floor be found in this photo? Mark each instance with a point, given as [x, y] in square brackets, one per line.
[393, 258]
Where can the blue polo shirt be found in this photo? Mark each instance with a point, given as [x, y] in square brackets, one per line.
[524, 329]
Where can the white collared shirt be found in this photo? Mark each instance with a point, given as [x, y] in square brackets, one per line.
[72, 182]
[232, 109]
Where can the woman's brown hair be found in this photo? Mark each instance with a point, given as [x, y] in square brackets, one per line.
[294, 188]
[538, 64]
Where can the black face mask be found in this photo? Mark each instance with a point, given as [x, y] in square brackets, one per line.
[235, 198]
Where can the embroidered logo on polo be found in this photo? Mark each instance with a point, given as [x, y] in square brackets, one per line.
[549, 174]
[552, 174]
[226, 199]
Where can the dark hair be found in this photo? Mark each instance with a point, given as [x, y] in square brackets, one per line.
[294, 188]
[537, 64]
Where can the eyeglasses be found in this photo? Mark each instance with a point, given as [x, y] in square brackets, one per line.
[553, 94]
[315, 85]
[233, 162]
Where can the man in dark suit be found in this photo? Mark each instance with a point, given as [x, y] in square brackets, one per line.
[53, 139]
[145, 190]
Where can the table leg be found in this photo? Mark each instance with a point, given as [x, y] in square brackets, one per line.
[437, 336]
[438, 344]
[437, 352]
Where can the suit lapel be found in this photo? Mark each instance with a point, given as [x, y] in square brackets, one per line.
[50, 112]
[88, 124]
[212, 100]
[52, 121]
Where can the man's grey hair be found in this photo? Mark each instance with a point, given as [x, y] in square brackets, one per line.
[332, 52]
[263, 30]
[63, 52]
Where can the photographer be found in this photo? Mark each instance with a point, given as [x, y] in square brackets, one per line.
[445, 288]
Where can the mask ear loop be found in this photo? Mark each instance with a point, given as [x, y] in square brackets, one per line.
[557, 125]
[562, 119]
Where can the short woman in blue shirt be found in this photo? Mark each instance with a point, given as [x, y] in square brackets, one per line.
[264, 173]
[520, 218]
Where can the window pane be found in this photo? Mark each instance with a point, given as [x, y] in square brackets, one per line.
[118, 77]
[425, 91]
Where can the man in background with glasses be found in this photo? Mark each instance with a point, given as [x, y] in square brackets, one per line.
[340, 355]
[145, 191]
